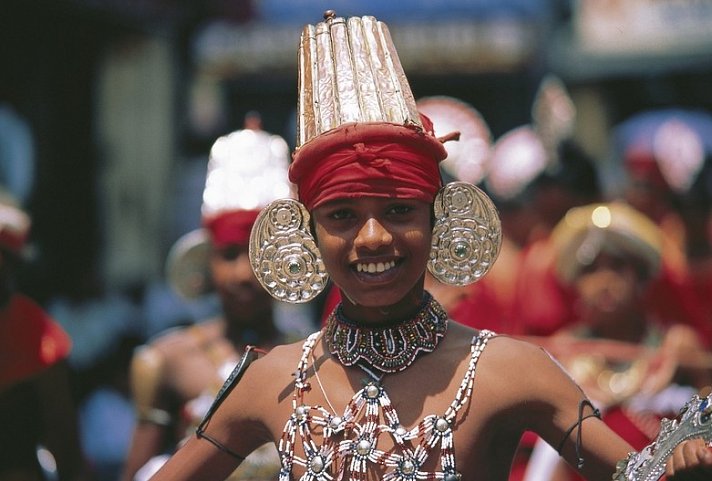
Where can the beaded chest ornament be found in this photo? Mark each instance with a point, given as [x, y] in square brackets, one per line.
[350, 441]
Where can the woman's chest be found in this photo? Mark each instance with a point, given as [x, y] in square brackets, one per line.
[385, 430]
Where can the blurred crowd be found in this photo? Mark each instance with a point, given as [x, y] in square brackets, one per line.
[607, 263]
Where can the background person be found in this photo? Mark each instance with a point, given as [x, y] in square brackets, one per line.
[641, 370]
[175, 377]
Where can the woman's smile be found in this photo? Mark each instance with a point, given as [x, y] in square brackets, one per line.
[375, 267]
[375, 249]
[376, 272]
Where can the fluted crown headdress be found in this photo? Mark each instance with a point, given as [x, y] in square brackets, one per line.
[358, 129]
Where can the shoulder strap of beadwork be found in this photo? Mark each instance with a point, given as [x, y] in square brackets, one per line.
[301, 374]
[479, 341]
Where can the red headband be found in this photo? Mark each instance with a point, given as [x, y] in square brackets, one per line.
[369, 159]
[231, 227]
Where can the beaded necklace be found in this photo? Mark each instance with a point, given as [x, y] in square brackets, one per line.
[389, 348]
[350, 441]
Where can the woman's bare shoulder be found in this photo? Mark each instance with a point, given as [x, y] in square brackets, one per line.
[537, 376]
[280, 360]
[504, 345]
[269, 380]
[517, 356]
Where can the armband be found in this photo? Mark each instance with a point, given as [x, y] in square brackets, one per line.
[595, 413]
[219, 445]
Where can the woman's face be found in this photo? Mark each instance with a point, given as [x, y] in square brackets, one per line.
[375, 249]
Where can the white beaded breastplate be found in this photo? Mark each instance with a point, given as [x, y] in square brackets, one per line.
[350, 441]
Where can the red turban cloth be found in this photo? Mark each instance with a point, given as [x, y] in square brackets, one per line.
[369, 159]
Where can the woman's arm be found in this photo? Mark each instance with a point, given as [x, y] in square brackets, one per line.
[585, 442]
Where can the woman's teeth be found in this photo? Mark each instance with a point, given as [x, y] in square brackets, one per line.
[372, 268]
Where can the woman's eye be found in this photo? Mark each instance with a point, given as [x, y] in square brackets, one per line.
[401, 209]
[340, 214]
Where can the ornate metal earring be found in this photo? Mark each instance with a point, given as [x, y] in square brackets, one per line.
[467, 234]
[284, 255]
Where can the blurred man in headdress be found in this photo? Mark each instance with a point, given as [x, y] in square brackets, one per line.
[177, 375]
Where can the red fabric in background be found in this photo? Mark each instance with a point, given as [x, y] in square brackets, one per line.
[30, 341]
[231, 227]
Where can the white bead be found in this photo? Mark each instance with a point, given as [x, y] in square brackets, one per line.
[408, 467]
[317, 464]
[372, 391]
[363, 447]
[442, 425]
[335, 422]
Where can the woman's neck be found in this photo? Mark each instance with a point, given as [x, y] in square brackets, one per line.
[406, 308]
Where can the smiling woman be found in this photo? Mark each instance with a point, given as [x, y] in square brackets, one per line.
[359, 238]
[390, 389]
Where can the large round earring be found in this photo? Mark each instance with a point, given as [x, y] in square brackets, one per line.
[467, 234]
[284, 255]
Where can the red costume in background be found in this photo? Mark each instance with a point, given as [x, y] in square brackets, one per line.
[30, 341]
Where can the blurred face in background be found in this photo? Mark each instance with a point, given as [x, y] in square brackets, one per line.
[243, 298]
[609, 290]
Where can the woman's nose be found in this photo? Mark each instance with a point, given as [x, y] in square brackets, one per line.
[373, 235]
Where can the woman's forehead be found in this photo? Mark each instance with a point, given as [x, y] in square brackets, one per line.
[369, 201]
